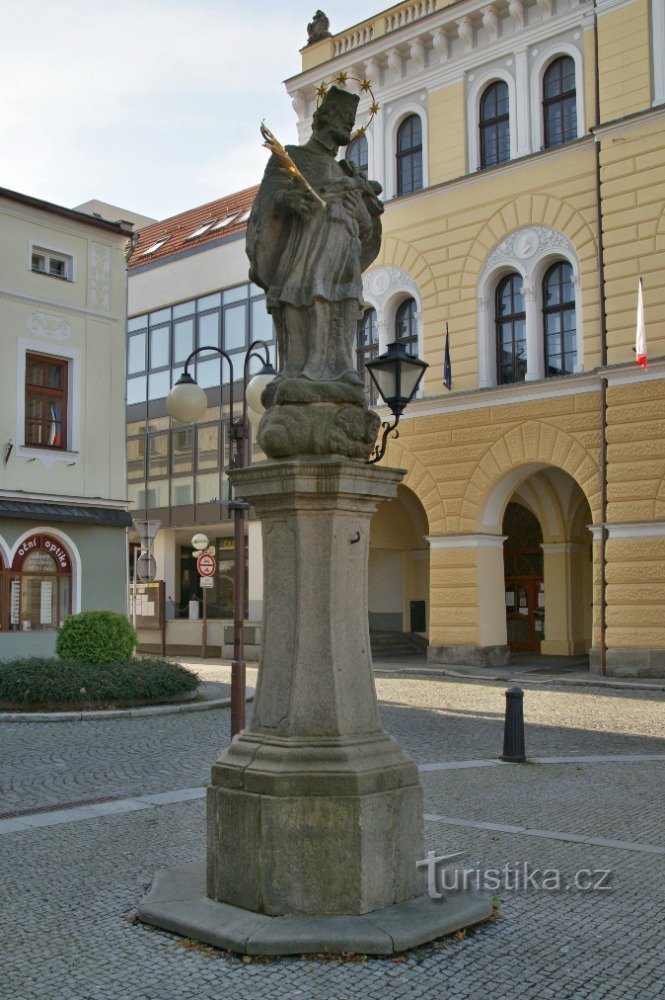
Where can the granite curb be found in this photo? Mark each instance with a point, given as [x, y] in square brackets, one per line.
[520, 678]
[121, 713]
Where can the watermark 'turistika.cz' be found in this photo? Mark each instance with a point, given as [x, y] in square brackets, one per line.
[517, 876]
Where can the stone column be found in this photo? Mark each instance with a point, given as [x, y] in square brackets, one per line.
[564, 586]
[314, 809]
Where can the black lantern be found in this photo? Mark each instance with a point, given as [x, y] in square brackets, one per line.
[397, 375]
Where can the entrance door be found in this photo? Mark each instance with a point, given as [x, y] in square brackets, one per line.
[525, 613]
[523, 568]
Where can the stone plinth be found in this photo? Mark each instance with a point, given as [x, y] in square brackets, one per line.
[314, 814]
[314, 809]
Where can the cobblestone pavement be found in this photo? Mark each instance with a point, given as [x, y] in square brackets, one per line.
[70, 890]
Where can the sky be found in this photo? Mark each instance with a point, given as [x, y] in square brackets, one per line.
[152, 105]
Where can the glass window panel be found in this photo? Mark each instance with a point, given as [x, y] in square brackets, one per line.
[183, 339]
[209, 302]
[159, 347]
[184, 309]
[207, 487]
[182, 491]
[208, 446]
[137, 323]
[236, 294]
[136, 389]
[159, 384]
[255, 290]
[261, 322]
[208, 331]
[136, 354]
[234, 327]
[135, 460]
[161, 316]
[208, 373]
[157, 494]
[182, 450]
[158, 455]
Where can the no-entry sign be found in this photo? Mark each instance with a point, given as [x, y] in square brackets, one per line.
[206, 564]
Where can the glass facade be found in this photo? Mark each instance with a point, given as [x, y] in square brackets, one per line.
[159, 342]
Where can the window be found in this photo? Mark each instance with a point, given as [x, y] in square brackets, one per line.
[494, 125]
[40, 583]
[226, 221]
[560, 102]
[510, 320]
[55, 265]
[559, 325]
[409, 155]
[406, 326]
[154, 247]
[356, 152]
[367, 348]
[201, 230]
[46, 381]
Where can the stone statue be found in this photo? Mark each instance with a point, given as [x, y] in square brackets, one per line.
[308, 242]
[318, 28]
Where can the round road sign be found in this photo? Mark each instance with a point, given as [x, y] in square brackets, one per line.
[206, 564]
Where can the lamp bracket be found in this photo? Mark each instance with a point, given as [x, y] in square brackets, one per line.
[380, 448]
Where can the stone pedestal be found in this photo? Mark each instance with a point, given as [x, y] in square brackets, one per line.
[314, 814]
[314, 809]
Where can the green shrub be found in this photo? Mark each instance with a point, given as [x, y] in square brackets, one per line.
[96, 637]
[50, 683]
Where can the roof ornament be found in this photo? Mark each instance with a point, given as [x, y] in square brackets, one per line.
[318, 28]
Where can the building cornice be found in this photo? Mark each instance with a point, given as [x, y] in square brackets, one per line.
[61, 307]
[63, 498]
[117, 228]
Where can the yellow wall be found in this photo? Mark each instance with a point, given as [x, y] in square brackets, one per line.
[443, 238]
[624, 63]
[447, 142]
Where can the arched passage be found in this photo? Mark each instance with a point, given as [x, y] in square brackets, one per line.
[399, 566]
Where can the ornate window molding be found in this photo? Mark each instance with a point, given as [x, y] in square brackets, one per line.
[528, 251]
[385, 289]
[47, 456]
[477, 85]
[394, 120]
[543, 55]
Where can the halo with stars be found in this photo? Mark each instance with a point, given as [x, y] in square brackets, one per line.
[366, 88]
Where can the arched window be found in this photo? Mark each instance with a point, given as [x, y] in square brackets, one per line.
[510, 321]
[494, 125]
[406, 326]
[559, 102]
[356, 152]
[3, 623]
[367, 347]
[40, 585]
[559, 326]
[409, 155]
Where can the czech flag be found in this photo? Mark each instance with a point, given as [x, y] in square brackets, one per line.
[640, 331]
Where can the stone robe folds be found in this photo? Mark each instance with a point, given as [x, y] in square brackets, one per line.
[310, 266]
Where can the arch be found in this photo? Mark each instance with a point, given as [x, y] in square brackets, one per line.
[528, 251]
[410, 107]
[518, 454]
[480, 83]
[5, 557]
[548, 52]
[72, 552]
[399, 565]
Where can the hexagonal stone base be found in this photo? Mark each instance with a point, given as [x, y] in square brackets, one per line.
[177, 902]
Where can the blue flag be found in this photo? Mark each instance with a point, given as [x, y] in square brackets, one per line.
[447, 370]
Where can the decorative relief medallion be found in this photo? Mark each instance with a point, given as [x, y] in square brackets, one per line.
[383, 282]
[99, 277]
[524, 243]
[47, 325]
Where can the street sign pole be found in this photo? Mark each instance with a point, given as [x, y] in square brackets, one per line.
[204, 625]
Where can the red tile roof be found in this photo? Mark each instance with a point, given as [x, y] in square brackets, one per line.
[176, 232]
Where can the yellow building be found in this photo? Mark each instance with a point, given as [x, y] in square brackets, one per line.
[521, 148]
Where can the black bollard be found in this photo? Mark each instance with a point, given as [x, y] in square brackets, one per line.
[513, 730]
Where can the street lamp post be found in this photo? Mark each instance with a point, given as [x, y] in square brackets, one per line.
[186, 403]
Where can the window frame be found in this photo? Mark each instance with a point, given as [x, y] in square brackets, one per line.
[368, 351]
[361, 143]
[548, 54]
[60, 393]
[51, 254]
[411, 152]
[11, 570]
[493, 124]
[561, 308]
[510, 320]
[557, 102]
[413, 338]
